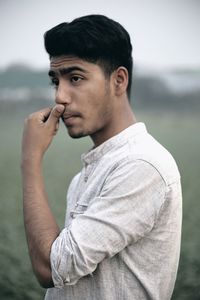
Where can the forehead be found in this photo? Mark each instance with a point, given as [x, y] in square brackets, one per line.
[59, 61]
[72, 63]
[66, 64]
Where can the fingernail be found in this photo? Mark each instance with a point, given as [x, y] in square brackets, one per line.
[60, 108]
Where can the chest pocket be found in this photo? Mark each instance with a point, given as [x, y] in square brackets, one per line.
[79, 209]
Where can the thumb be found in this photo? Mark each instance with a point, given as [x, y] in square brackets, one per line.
[56, 113]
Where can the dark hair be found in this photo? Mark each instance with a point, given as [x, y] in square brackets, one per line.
[94, 38]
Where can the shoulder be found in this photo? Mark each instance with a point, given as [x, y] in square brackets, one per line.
[145, 151]
[149, 150]
[129, 175]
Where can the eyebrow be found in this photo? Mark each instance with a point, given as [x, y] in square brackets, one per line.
[65, 71]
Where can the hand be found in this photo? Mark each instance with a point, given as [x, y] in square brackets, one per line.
[39, 130]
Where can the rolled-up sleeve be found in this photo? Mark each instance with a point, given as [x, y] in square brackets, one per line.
[125, 211]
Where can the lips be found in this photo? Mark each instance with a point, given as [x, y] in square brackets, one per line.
[69, 117]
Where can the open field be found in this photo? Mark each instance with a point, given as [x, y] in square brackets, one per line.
[178, 132]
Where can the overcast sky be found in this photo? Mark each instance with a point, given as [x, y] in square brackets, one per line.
[164, 33]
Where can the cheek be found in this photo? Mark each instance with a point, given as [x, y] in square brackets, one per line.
[101, 113]
[97, 105]
[91, 105]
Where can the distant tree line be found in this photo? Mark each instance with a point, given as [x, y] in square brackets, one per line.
[149, 91]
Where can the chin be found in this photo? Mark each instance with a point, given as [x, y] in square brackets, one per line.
[76, 135]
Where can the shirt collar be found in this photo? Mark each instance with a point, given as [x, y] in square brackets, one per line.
[116, 141]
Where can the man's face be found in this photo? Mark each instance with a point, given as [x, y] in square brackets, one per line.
[87, 96]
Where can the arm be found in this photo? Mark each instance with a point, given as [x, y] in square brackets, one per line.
[124, 212]
[40, 225]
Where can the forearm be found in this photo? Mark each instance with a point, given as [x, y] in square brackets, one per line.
[40, 224]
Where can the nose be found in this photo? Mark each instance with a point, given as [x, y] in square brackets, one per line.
[62, 94]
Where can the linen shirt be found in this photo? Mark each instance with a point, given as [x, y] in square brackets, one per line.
[122, 234]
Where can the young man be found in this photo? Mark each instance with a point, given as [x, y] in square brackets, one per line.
[123, 222]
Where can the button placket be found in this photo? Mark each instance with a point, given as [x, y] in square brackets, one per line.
[78, 206]
[88, 169]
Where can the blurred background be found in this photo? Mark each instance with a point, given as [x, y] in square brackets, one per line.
[166, 96]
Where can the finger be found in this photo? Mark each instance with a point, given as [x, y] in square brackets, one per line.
[55, 114]
[57, 126]
[45, 113]
[41, 115]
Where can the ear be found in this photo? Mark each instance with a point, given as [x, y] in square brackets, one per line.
[120, 80]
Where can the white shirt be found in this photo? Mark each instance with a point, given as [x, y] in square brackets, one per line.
[122, 235]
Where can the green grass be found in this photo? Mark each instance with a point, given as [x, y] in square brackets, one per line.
[178, 132]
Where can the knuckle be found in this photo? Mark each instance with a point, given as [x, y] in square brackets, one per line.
[29, 118]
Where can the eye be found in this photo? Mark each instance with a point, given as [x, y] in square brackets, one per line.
[76, 78]
[54, 82]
